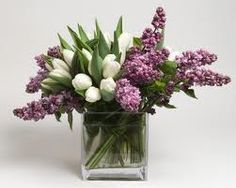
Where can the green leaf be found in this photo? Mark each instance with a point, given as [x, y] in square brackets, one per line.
[190, 93]
[119, 27]
[78, 43]
[169, 68]
[107, 96]
[98, 30]
[62, 80]
[137, 42]
[77, 64]
[92, 43]
[159, 86]
[82, 34]
[161, 43]
[81, 93]
[58, 116]
[115, 47]
[70, 119]
[96, 67]
[103, 46]
[169, 106]
[64, 44]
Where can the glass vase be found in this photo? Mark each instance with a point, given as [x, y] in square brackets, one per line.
[114, 146]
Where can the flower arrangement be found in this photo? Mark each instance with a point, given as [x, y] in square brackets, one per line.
[118, 73]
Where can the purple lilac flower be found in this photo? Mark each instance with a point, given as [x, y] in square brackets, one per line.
[40, 61]
[157, 57]
[139, 71]
[34, 84]
[54, 52]
[48, 105]
[159, 19]
[150, 38]
[127, 95]
[204, 77]
[195, 59]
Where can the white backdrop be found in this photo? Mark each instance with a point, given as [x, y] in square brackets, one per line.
[192, 146]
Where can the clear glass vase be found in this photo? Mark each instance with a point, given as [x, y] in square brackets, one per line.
[114, 146]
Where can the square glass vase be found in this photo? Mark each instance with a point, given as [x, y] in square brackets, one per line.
[114, 146]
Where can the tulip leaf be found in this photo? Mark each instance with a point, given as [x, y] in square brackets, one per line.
[92, 43]
[169, 67]
[137, 42]
[58, 116]
[81, 93]
[64, 44]
[98, 30]
[78, 43]
[70, 119]
[62, 80]
[103, 46]
[82, 33]
[115, 47]
[190, 93]
[107, 96]
[160, 44]
[96, 67]
[119, 27]
[169, 106]
[77, 66]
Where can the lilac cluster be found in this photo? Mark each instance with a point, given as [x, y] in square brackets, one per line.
[139, 70]
[150, 38]
[195, 59]
[34, 84]
[204, 77]
[157, 57]
[54, 52]
[48, 105]
[40, 61]
[159, 19]
[127, 95]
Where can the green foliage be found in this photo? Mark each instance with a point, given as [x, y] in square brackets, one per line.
[98, 30]
[96, 67]
[169, 68]
[169, 106]
[115, 47]
[119, 27]
[64, 44]
[70, 119]
[58, 116]
[190, 93]
[82, 34]
[106, 96]
[81, 93]
[92, 43]
[103, 46]
[137, 42]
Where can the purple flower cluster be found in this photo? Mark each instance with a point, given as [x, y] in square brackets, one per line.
[127, 95]
[204, 77]
[34, 84]
[159, 19]
[48, 105]
[157, 57]
[54, 52]
[40, 61]
[195, 59]
[150, 38]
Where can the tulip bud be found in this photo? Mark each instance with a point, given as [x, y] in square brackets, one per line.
[59, 64]
[125, 42]
[88, 56]
[107, 88]
[92, 94]
[82, 82]
[110, 66]
[68, 56]
[61, 76]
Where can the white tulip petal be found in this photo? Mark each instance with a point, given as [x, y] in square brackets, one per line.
[82, 82]
[92, 94]
[68, 56]
[110, 69]
[59, 64]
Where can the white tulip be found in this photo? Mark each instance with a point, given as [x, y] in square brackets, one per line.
[110, 66]
[68, 56]
[107, 88]
[125, 42]
[49, 81]
[60, 73]
[45, 86]
[48, 67]
[82, 82]
[92, 94]
[59, 64]
[173, 55]
[108, 39]
[88, 56]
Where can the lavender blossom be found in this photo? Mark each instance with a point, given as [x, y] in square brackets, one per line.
[40, 61]
[127, 95]
[150, 38]
[34, 84]
[203, 77]
[157, 57]
[48, 105]
[195, 59]
[54, 52]
[159, 19]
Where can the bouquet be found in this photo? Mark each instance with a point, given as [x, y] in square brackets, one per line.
[120, 76]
